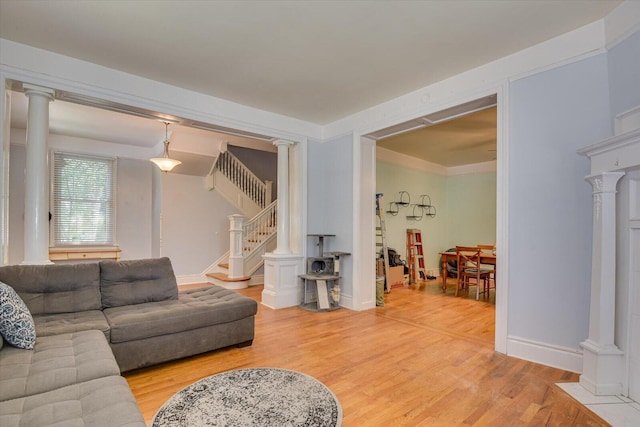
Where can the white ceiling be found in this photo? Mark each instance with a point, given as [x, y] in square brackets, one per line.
[318, 61]
[196, 148]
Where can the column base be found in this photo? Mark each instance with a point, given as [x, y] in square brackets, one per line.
[602, 368]
[281, 283]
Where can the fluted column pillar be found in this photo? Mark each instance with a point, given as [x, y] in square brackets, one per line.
[283, 224]
[36, 209]
[601, 373]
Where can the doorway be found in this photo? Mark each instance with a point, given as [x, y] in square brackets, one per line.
[435, 175]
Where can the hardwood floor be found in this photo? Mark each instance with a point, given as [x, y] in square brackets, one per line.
[424, 359]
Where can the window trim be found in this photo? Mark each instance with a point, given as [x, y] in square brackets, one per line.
[89, 248]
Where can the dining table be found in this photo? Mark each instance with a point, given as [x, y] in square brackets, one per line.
[485, 258]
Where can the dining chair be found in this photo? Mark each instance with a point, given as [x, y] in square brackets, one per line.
[468, 258]
[490, 268]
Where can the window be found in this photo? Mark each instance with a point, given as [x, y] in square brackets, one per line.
[83, 200]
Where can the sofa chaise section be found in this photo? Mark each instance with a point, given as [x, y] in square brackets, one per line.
[161, 324]
[103, 402]
[55, 362]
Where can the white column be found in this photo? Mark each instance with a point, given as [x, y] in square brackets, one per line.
[281, 267]
[283, 197]
[36, 205]
[602, 360]
[236, 261]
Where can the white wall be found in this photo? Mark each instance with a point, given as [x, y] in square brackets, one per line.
[553, 113]
[195, 228]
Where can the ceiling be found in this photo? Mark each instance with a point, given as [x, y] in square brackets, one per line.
[466, 140]
[196, 148]
[318, 61]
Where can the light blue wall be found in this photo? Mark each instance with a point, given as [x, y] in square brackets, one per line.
[330, 200]
[550, 209]
[624, 75]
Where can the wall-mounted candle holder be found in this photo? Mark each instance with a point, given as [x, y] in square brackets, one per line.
[417, 211]
[404, 198]
[393, 209]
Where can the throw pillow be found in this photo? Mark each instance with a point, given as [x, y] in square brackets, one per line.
[16, 323]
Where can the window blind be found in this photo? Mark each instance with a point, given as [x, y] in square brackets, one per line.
[83, 200]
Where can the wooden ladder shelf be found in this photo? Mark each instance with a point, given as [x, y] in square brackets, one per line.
[415, 255]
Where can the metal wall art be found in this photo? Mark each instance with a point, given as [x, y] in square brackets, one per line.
[415, 211]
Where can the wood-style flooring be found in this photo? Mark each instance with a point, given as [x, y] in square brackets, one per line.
[424, 359]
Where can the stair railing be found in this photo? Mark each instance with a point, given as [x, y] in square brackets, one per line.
[244, 237]
[256, 230]
[231, 167]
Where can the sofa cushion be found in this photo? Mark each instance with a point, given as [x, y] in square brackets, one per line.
[195, 308]
[64, 323]
[16, 323]
[57, 288]
[137, 282]
[55, 362]
[103, 402]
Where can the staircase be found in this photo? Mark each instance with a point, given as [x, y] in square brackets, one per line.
[236, 183]
[248, 240]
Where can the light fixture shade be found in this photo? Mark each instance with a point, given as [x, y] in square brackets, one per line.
[165, 163]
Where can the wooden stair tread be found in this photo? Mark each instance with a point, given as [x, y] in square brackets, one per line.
[224, 265]
[225, 278]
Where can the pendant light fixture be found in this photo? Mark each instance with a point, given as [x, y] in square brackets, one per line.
[165, 163]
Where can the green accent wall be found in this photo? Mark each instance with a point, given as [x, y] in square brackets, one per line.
[471, 209]
[465, 209]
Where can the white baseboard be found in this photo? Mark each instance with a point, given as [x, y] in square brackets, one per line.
[202, 278]
[192, 279]
[346, 301]
[568, 359]
[257, 279]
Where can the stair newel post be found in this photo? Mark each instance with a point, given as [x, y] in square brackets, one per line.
[236, 261]
[268, 185]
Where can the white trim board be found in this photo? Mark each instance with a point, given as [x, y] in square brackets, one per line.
[395, 158]
[191, 279]
[559, 357]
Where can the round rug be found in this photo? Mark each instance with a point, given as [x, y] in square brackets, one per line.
[252, 397]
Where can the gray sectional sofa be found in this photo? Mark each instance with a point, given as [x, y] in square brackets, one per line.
[96, 320]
